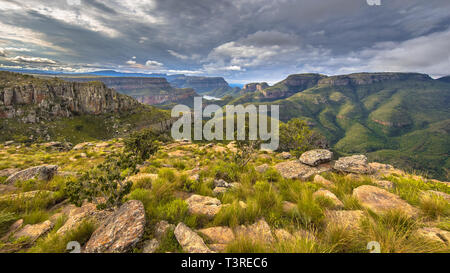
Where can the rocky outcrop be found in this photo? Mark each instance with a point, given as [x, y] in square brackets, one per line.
[316, 157]
[353, 164]
[218, 235]
[203, 205]
[381, 201]
[296, 170]
[255, 86]
[291, 85]
[44, 172]
[120, 231]
[46, 99]
[190, 241]
[33, 232]
[344, 219]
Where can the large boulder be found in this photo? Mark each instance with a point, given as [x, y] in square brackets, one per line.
[203, 205]
[296, 170]
[344, 219]
[259, 231]
[353, 164]
[380, 200]
[321, 180]
[33, 232]
[316, 157]
[120, 231]
[44, 172]
[190, 241]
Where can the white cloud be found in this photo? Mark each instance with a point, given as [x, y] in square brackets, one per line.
[131, 62]
[35, 60]
[2, 52]
[153, 64]
[178, 55]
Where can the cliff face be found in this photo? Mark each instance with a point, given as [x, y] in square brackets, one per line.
[146, 90]
[291, 85]
[370, 78]
[255, 86]
[31, 99]
[200, 84]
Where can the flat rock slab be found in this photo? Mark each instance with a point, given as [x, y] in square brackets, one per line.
[380, 200]
[77, 215]
[33, 232]
[316, 157]
[218, 235]
[259, 231]
[120, 231]
[44, 172]
[203, 205]
[353, 164]
[190, 241]
[345, 219]
[297, 170]
[435, 234]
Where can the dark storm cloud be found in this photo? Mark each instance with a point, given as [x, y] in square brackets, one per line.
[240, 39]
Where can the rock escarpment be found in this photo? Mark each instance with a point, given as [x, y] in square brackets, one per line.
[31, 100]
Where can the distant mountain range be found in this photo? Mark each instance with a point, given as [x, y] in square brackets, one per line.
[400, 118]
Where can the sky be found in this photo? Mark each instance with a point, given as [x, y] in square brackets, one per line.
[241, 40]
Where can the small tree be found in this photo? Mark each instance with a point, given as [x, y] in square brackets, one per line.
[106, 184]
[296, 137]
[142, 144]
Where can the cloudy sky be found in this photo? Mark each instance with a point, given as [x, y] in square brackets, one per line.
[242, 40]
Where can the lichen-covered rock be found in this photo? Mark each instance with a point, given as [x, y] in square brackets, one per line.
[120, 231]
[380, 200]
[190, 241]
[259, 231]
[296, 170]
[220, 190]
[285, 155]
[337, 204]
[203, 205]
[435, 234]
[58, 146]
[8, 172]
[316, 157]
[4, 189]
[76, 216]
[221, 183]
[345, 219]
[218, 235]
[353, 164]
[33, 232]
[44, 172]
